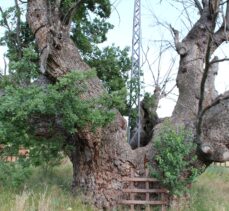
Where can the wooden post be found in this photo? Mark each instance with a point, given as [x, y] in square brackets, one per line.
[163, 207]
[132, 187]
[147, 188]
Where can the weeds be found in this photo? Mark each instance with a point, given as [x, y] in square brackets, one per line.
[45, 190]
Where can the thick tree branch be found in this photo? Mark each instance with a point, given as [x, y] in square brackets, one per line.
[227, 16]
[67, 18]
[38, 18]
[214, 136]
[204, 3]
[214, 7]
[217, 101]
[223, 33]
[180, 48]
[219, 37]
[199, 7]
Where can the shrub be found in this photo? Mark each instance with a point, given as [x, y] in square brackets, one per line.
[13, 175]
[175, 159]
[44, 109]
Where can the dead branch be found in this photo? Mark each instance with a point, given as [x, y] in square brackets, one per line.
[148, 63]
[219, 60]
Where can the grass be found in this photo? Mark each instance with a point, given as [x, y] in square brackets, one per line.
[45, 190]
[49, 190]
[211, 191]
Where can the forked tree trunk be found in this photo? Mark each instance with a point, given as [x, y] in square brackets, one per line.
[100, 160]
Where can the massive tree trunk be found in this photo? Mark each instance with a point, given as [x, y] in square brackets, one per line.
[100, 160]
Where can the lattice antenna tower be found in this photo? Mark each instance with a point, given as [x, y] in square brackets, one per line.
[135, 75]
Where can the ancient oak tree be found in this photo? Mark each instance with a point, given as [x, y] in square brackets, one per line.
[101, 158]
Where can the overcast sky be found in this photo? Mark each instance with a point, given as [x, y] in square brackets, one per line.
[152, 13]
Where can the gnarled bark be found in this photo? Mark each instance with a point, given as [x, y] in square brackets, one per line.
[215, 137]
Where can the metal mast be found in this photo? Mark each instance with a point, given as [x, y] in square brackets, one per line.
[134, 95]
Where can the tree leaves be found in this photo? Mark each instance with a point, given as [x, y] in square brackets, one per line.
[29, 116]
[175, 150]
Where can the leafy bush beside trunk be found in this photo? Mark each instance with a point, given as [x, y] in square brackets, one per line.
[175, 157]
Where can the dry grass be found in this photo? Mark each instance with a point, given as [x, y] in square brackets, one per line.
[44, 201]
[20, 201]
[50, 191]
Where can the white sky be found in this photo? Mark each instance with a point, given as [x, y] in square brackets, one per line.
[121, 35]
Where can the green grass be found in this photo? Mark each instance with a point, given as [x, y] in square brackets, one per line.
[210, 192]
[47, 190]
[50, 191]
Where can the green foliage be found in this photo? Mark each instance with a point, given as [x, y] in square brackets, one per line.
[116, 99]
[101, 8]
[21, 50]
[45, 153]
[25, 69]
[149, 101]
[13, 175]
[175, 157]
[58, 105]
[5, 80]
[112, 65]
[87, 33]
[90, 26]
